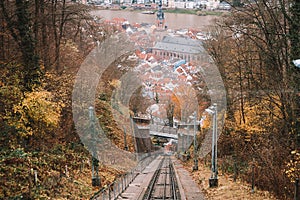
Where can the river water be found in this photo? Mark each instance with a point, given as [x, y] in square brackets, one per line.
[173, 20]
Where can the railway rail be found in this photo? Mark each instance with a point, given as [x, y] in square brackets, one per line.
[163, 184]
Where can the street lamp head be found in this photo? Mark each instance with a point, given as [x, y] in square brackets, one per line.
[91, 112]
[297, 63]
[210, 111]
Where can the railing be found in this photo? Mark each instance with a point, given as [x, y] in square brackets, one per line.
[163, 129]
[112, 191]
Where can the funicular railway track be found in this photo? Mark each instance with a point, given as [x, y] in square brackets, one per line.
[163, 184]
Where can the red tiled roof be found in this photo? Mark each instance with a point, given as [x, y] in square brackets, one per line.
[136, 25]
[182, 77]
[179, 70]
[119, 20]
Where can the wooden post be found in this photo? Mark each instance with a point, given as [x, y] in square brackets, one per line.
[235, 171]
[35, 177]
[114, 189]
[81, 166]
[109, 195]
[30, 182]
[296, 196]
[253, 178]
[66, 171]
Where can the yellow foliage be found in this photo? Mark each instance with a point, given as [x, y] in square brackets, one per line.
[115, 83]
[207, 122]
[36, 113]
[293, 166]
[257, 117]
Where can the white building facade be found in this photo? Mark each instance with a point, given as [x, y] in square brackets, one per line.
[182, 4]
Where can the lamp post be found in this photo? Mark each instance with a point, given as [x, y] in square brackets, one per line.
[125, 140]
[297, 64]
[95, 162]
[195, 144]
[213, 181]
[180, 145]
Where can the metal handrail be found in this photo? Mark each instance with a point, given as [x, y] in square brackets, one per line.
[116, 188]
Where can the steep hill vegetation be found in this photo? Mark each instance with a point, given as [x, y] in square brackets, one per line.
[42, 45]
[254, 49]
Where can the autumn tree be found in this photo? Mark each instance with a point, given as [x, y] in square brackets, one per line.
[42, 27]
[19, 25]
[42, 44]
[253, 50]
[170, 113]
[294, 37]
[39, 39]
[188, 102]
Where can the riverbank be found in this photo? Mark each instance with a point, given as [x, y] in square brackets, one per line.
[194, 12]
[173, 20]
[168, 10]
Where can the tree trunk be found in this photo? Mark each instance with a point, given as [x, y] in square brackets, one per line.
[27, 46]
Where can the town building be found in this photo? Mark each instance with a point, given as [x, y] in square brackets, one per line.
[179, 47]
[184, 4]
[171, 3]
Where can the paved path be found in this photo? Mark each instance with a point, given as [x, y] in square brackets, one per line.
[188, 188]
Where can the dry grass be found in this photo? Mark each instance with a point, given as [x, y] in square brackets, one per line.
[227, 189]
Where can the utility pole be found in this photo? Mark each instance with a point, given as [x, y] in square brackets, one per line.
[95, 162]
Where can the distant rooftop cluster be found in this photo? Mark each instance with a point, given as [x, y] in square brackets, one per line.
[170, 4]
[166, 60]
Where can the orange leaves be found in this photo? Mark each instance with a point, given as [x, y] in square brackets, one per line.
[115, 83]
[177, 107]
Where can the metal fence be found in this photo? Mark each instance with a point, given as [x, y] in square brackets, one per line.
[163, 129]
[112, 191]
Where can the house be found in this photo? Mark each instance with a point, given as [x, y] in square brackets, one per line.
[171, 3]
[212, 4]
[179, 4]
[190, 4]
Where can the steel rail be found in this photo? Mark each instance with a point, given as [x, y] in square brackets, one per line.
[174, 185]
[153, 181]
[164, 177]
